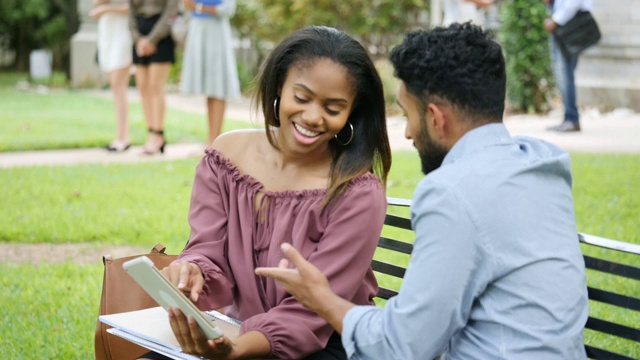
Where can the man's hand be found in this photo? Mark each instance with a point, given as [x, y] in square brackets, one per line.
[309, 286]
[550, 25]
[305, 282]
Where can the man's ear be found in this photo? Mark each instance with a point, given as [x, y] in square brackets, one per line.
[439, 119]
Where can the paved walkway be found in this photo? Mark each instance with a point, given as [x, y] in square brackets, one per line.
[614, 132]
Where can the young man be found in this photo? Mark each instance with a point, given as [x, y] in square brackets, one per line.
[496, 270]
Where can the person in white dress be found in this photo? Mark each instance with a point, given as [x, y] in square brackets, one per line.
[114, 58]
[209, 63]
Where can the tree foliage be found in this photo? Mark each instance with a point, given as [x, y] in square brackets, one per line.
[33, 24]
[526, 47]
[377, 24]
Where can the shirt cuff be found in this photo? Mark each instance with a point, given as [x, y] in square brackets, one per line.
[349, 328]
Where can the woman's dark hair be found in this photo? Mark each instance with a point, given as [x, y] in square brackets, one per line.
[369, 149]
[460, 64]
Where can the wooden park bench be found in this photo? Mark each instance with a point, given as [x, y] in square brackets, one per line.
[612, 330]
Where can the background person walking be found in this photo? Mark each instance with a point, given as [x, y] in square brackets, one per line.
[564, 65]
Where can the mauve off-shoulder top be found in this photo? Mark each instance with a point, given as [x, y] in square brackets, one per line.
[229, 240]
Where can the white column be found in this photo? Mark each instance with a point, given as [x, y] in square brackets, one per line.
[84, 69]
[436, 13]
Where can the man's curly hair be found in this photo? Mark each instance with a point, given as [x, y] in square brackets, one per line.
[459, 64]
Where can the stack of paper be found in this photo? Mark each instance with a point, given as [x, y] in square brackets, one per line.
[150, 328]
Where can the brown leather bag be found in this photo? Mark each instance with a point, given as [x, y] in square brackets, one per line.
[120, 293]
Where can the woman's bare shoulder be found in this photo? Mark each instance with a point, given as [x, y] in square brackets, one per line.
[236, 144]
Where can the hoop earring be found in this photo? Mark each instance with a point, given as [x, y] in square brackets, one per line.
[275, 109]
[350, 137]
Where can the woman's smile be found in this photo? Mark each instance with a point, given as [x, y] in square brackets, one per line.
[305, 136]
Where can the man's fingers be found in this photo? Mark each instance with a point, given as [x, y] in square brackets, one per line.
[284, 264]
[304, 268]
[293, 255]
[282, 275]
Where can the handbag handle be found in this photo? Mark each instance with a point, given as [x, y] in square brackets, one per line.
[158, 249]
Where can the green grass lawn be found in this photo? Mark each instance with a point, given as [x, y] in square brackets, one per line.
[141, 204]
[64, 119]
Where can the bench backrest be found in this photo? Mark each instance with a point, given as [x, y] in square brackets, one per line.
[613, 328]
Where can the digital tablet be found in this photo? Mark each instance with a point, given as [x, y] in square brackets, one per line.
[168, 295]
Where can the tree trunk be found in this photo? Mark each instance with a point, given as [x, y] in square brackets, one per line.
[69, 9]
[23, 46]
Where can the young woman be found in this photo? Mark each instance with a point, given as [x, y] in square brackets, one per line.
[314, 178]
[153, 54]
[114, 57]
[209, 63]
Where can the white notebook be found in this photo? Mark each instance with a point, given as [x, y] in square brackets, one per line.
[150, 328]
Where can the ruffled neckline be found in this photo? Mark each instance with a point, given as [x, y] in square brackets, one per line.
[256, 185]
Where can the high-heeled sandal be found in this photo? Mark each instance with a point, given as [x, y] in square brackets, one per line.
[118, 146]
[161, 148]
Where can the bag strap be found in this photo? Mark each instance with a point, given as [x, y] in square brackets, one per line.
[158, 249]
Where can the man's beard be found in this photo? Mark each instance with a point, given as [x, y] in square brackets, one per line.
[431, 154]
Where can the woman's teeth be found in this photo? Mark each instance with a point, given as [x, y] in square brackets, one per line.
[304, 131]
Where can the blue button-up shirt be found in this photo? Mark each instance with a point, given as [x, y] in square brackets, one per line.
[496, 270]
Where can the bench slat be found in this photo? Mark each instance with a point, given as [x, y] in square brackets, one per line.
[386, 268]
[608, 297]
[610, 328]
[395, 245]
[596, 353]
[397, 221]
[612, 267]
[398, 202]
[609, 243]
[385, 293]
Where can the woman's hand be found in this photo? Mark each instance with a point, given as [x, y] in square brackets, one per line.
[192, 340]
[186, 276]
[98, 11]
[144, 47]
[481, 3]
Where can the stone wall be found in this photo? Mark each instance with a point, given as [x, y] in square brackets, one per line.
[608, 74]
